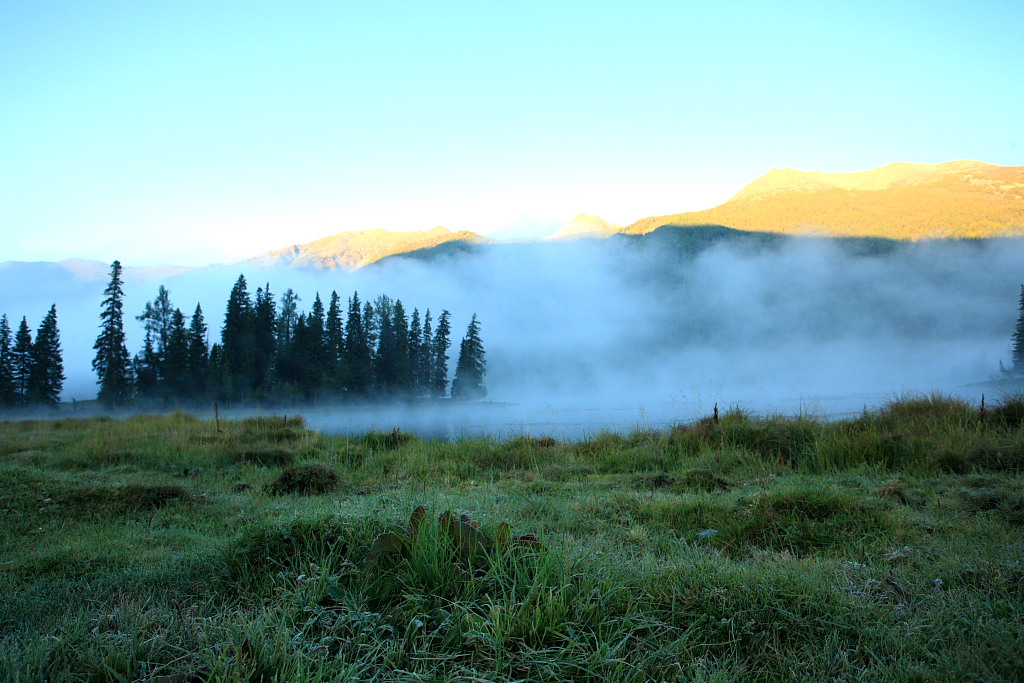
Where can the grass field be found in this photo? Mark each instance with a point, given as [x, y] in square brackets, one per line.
[889, 547]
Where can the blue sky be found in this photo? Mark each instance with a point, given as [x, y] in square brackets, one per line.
[212, 131]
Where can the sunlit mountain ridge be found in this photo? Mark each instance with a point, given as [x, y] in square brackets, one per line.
[902, 201]
[899, 201]
[358, 248]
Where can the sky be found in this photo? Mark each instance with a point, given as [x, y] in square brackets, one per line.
[199, 132]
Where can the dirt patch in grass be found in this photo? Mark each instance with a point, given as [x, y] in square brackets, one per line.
[305, 480]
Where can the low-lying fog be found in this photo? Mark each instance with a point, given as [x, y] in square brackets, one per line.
[625, 333]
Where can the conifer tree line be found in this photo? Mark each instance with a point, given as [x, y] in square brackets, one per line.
[1017, 339]
[270, 350]
[31, 370]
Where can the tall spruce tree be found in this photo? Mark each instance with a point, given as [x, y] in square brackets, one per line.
[287, 315]
[174, 369]
[403, 369]
[198, 356]
[415, 351]
[357, 349]
[8, 393]
[439, 368]
[334, 341]
[146, 367]
[471, 368]
[1017, 348]
[316, 323]
[426, 357]
[46, 376]
[384, 359]
[156, 318]
[112, 362]
[264, 339]
[238, 344]
[21, 358]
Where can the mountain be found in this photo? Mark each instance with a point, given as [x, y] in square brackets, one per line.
[355, 249]
[904, 201]
[585, 226]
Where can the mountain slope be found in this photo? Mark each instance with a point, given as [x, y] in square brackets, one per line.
[959, 199]
[355, 249]
[585, 226]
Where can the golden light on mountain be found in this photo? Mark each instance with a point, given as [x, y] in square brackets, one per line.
[958, 199]
[358, 248]
[584, 225]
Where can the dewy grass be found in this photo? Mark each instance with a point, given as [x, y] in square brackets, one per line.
[886, 547]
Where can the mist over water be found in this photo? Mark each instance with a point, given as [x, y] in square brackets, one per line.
[627, 333]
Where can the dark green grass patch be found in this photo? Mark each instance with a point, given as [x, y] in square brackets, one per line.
[264, 457]
[387, 441]
[122, 499]
[1008, 413]
[800, 519]
[305, 480]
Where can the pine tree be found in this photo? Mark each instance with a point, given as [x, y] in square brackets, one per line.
[238, 345]
[175, 375]
[8, 393]
[198, 356]
[46, 376]
[415, 352]
[264, 339]
[402, 368]
[384, 367]
[286, 317]
[1017, 349]
[471, 368]
[156, 318]
[218, 381]
[21, 360]
[146, 367]
[334, 341]
[439, 353]
[426, 357]
[317, 324]
[357, 349]
[112, 362]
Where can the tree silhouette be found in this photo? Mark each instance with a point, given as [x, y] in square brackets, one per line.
[439, 353]
[112, 362]
[1017, 348]
[198, 355]
[8, 392]
[238, 344]
[174, 368]
[46, 375]
[22, 360]
[471, 367]
[357, 349]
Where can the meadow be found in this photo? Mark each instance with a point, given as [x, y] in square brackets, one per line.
[884, 547]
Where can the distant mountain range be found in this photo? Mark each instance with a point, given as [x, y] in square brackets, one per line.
[901, 201]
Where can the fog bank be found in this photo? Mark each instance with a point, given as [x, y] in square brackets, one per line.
[615, 333]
